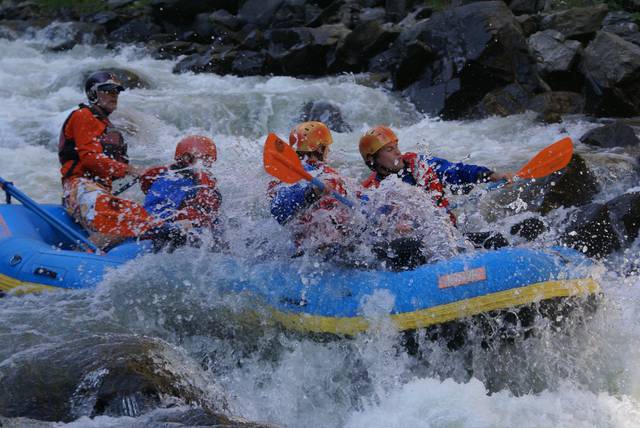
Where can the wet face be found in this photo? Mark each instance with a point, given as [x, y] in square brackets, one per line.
[107, 99]
[388, 159]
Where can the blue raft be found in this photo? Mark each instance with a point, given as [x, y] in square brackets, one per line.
[35, 257]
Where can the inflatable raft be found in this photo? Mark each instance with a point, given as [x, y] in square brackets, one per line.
[35, 257]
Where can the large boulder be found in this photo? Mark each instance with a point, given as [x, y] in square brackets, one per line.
[625, 213]
[216, 60]
[511, 99]
[327, 113]
[551, 106]
[611, 66]
[580, 22]
[184, 11]
[520, 7]
[575, 185]
[479, 47]
[590, 231]
[553, 52]
[135, 30]
[302, 51]
[365, 41]
[615, 134]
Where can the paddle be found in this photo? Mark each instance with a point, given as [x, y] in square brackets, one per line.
[548, 160]
[68, 232]
[282, 162]
[126, 186]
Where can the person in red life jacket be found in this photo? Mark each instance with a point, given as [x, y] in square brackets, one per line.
[317, 218]
[379, 150]
[184, 192]
[92, 154]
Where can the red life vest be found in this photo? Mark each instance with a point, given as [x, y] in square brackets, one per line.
[423, 176]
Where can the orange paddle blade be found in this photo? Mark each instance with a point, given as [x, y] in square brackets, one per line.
[549, 160]
[282, 162]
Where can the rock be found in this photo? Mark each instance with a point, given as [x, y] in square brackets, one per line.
[135, 30]
[529, 24]
[580, 22]
[613, 135]
[591, 232]
[108, 19]
[248, 63]
[365, 41]
[64, 36]
[511, 99]
[520, 7]
[181, 12]
[259, 12]
[490, 54]
[294, 13]
[574, 185]
[611, 66]
[622, 24]
[553, 52]
[327, 113]
[175, 49]
[529, 229]
[215, 60]
[111, 375]
[624, 212]
[302, 51]
[553, 105]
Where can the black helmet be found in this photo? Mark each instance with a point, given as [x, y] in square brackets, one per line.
[101, 80]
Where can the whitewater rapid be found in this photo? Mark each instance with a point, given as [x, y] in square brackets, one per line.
[589, 377]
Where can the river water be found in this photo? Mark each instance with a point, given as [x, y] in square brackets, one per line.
[588, 376]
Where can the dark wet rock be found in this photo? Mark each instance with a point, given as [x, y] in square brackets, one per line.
[327, 113]
[248, 63]
[302, 51]
[520, 7]
[184, 11]
[371, 14]
[611, 66]
[574, 185]
[625, 213]
[19, 10]
[553, 105]
[174, 49]
[110, 375]
[511, 99]
[580, 22]
[135, 30]
[529, 229]
[479, 47]
[69, 34]
[590, 231]
[259, 12]
[215, 60]
[213, 23]
[110, 20]
[622, 24]
[295, 14]
[553, 52]
[365, 41]
[616, 134]
[529, 24]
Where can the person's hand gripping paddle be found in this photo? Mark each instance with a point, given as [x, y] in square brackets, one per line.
[281, 161]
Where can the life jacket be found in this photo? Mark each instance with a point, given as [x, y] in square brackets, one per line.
[417, 172]
[111, 141]
[198, 203]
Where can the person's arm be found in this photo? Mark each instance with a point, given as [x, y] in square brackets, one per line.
[86, 130]
[459, 173]
[289, 200]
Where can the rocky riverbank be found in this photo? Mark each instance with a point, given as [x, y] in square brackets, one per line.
[454, 59]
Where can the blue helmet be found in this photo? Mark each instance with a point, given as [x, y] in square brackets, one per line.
[101, 81]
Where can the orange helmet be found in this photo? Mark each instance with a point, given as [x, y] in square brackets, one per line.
[198, 146]
[310, 136]
[375, 139]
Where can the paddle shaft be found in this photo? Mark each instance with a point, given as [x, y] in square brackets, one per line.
[319, 184]
[126, 187]
[53, 222]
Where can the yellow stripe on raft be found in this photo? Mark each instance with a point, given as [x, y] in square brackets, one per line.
[443, 313]
[14, 286]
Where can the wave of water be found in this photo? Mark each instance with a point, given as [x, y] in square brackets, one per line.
[587, 377]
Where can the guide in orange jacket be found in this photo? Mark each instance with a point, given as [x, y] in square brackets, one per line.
[92, 154]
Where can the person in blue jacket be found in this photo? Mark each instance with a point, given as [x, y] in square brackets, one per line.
[379, 150]
[182, 193]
